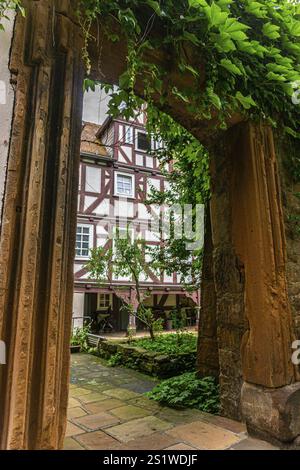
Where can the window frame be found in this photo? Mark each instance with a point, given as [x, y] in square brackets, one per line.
[127, 134]
[128, 175]
[91, 240]
[137, 148]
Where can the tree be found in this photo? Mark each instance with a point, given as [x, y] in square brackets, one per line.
[126, 258]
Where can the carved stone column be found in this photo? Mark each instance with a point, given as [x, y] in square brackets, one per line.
[250, 271]
[38, 225]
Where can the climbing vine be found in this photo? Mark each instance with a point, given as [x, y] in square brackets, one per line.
[6, 6]
[250, 49]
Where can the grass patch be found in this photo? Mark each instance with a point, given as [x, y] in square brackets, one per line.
[169, 343]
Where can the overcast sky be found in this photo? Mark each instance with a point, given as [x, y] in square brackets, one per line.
[95, 106]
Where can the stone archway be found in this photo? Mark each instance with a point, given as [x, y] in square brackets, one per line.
[249, 333]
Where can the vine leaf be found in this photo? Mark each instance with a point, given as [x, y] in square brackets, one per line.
[246, 101]
[231, 67]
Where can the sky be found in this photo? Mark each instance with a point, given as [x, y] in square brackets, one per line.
[95, 106]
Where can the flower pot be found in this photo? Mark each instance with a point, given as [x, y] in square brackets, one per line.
[75, 348]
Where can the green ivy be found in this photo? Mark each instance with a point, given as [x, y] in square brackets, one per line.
[250, 49]
[6, 6]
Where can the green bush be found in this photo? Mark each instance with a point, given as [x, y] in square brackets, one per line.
[169, 343]
[115, 360]
[188, 391]
[79, 337]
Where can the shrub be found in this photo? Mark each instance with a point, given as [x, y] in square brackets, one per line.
[79, 337]
[170, 343]
[115, 360]
[188, 391]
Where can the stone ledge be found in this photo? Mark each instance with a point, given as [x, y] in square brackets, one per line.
[273, 414]
[152, 363]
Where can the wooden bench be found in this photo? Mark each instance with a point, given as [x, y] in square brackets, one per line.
[94, 340]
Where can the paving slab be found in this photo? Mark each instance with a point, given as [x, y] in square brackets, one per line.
[104, 405]
[107, 410]
[73, 430]
[204, 436]
[71, 444]
[97, 440]
[73, 402]
[92, 397]
[120, 393]
[253, 444]
[79, 391]
[156, 441]
[180, 446]
[76, 412]
[97, 421]
[138, 428]
[129, 412]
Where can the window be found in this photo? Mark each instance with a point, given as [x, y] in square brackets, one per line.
[128, 135]
[83, 240]
[103, 301]
[124, 185]
[142, 142]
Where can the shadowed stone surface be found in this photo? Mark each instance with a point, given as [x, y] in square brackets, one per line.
[126, 420]
[204, 436]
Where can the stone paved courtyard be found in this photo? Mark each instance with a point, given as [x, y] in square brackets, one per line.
[107, 411]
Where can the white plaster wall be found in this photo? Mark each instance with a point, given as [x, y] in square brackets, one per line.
[6, 102]
[78, 309]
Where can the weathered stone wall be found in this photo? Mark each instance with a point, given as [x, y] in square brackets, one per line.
[6, 102]
[38, 227]
[255, 328]
[208, 354]
[288, 151]
[228, 278]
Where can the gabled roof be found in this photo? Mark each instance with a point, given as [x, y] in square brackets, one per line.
[90, 142]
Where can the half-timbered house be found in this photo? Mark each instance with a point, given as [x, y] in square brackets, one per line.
[117, 171]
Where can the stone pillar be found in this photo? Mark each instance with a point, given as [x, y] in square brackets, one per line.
[254, 311]
[38, 225]
[208, 355]
[228, 275]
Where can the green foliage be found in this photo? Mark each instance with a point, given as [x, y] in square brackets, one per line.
[8, 5]
[188, 391]
[251, 52]
[294, 221]
[126, 259]
[79, 337]
[170, 343]
[115, 360]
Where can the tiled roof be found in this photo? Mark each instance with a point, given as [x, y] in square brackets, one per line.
[90, 143]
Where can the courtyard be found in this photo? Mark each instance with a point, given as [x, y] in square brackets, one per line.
[108, 411]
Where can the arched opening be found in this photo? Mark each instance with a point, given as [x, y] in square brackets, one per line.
[252, 328]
